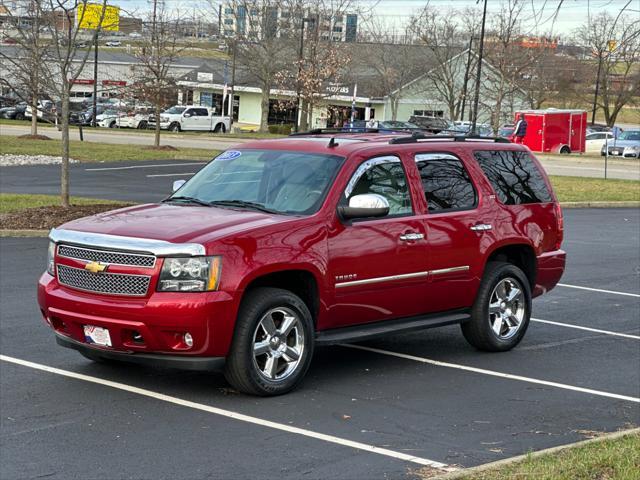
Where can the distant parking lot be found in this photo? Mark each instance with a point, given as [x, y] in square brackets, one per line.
[379, 409]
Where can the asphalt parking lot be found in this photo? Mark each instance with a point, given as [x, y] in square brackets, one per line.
[380, 409]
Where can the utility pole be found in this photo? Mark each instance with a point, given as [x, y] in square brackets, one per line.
[595, 97]
[300, 60]
[233, 83]
[466, 79]
[476, 100]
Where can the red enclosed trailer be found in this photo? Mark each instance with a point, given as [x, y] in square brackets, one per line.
[556, 131]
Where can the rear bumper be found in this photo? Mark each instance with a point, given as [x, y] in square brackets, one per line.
[550, 269]
[152, 360]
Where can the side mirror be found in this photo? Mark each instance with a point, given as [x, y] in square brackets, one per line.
[178, 184]
[365, 206]
[186, 115]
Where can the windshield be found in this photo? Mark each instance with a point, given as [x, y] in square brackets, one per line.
[175, 110]
[282, 181]
[630, 135]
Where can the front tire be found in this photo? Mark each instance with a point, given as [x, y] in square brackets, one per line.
[142, 125]
[272, 344]
[502, 309]
[174, 127]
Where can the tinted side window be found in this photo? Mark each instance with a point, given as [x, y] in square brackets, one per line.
[386, 178]
[446, 183]
[202, 112]
[191, 111]
[514, 177]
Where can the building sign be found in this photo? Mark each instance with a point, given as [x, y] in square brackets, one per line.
[205, 77]
[90, 14]
[82, 81]
[332, 88]
[114, 83]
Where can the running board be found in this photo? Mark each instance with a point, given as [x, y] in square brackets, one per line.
[368, 331]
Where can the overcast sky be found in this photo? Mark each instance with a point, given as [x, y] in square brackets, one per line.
[395, 13]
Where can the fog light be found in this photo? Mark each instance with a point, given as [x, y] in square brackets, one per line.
[188, 339]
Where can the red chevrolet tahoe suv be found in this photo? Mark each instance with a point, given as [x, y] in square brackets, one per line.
[282, 245]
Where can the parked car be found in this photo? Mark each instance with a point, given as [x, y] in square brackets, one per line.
[113, 43]
[15, 112]
[430, 124]
[131, 120]
[594, 142]
[282, 245]
[626, 145]
[45, 111]
[192, 117]
[387, 126]
[506, 130]
[597, 127]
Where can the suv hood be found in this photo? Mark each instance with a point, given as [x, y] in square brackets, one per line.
[174, 223]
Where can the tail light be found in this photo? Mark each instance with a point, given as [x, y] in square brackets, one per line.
[559, 225]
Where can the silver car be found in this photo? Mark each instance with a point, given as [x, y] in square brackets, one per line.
[626, 145]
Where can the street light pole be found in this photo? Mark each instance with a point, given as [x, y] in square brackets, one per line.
[95, 82]
[479, 73]
[595, 97]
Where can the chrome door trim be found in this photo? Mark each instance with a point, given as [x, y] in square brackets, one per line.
[442, 271]
[422, 157]
[159, 248]
[364, 166]
[481, 227]
[390, 278]
[367, 281]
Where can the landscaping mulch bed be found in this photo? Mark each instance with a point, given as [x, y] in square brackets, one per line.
[34, 137]
[45, 218]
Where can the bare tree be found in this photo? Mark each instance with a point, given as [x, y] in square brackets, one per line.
[615, 44]
[61, 63]
[24, 62]
[447, 37]
[392, 62]
[264, 45]
[156, 53]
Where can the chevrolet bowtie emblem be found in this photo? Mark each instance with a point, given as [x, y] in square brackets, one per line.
[95, 267]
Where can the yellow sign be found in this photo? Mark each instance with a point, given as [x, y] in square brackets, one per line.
[611, 45]
[89, 15]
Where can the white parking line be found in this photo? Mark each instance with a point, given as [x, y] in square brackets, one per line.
[588, 329]
[495, 374]
[599, 290]
[144, 166]
[233, 415]
[188, 174]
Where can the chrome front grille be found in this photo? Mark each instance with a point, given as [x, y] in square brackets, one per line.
[109, 257]
[106, 283]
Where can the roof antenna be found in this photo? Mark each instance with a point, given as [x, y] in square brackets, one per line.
[333, 143]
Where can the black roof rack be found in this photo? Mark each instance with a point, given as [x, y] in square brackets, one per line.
[436, 138]
[320, 131]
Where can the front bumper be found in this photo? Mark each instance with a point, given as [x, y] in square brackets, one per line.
[161, 319]
[164, 361]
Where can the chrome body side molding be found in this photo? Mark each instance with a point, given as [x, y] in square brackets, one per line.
[403, 276]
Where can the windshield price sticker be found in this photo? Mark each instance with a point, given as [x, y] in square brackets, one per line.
[228, 155]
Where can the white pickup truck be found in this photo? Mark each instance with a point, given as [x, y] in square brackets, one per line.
[192, 117]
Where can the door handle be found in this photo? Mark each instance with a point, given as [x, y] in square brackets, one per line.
[411, 237]
[481, 227]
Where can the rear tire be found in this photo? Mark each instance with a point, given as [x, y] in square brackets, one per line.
[112, 124]
[502, 309]
[142, 125]
[220, 128]
[20, 116]
[272, 345]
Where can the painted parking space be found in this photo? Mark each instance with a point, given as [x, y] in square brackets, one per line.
[452, 416]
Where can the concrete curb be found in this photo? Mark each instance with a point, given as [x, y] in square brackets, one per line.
[23, 233]
[508, 461]
[626, 204]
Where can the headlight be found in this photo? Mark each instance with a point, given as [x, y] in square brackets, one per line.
[633, 149]
[164, 119]
[51, 253]
[191, 274]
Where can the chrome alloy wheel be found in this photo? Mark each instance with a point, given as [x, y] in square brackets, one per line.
[278, 344]
[507, 308]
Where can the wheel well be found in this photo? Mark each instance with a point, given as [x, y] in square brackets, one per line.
[300, 282]
[522, 256]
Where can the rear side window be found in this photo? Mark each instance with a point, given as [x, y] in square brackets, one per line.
[445, 182]
[514, 177]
